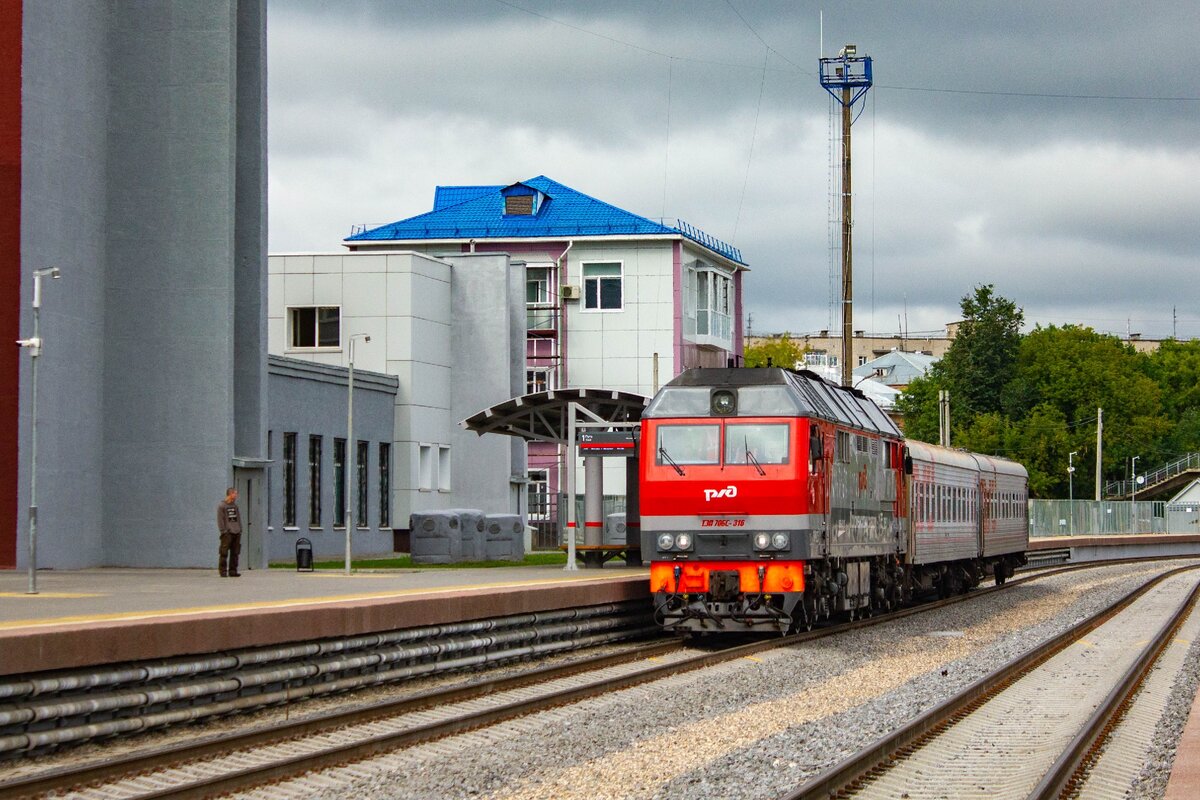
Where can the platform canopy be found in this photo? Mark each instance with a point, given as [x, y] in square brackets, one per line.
[545, 416]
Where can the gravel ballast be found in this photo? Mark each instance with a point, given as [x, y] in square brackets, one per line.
[760, 726]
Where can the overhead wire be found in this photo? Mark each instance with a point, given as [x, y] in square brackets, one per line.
[809, 73]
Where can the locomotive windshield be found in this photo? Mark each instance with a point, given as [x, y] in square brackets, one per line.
[753, 443]
[689, 444]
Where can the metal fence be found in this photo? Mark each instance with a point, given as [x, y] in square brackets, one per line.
[1091, 517]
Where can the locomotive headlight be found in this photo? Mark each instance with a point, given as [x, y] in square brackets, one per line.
[665, 541]
[723, 403]
[683, 541]
[781, 541]
[762, 541]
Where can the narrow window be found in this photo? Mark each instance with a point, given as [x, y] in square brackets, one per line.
[425, 467]
[360, 466]
[314, 326]
[314, 481]
[385, 484]
[339, 483]
[289, 480]
[537, 379]
[539, 495]
[539, 309]
[602, 287]
[444, 468]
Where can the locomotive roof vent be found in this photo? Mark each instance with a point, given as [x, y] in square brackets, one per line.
[723, 402]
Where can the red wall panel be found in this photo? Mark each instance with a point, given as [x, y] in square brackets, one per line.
[10, 271]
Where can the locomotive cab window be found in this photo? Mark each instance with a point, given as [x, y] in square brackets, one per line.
[689, 444]
[762, 444]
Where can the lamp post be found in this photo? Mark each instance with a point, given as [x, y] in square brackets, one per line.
[1133, 493]
[351, 450]
[34, 343]
[1071, 490]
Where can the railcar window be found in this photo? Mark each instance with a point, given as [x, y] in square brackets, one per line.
[747, 444]
[843, 446]
[689, 444]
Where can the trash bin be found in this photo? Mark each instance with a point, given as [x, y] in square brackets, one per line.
[304, 561]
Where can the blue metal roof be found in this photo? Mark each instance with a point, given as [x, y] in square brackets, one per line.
[477, 212]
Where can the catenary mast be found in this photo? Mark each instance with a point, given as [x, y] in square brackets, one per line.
[847, 78]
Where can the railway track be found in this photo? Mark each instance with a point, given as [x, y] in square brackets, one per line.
[1037, 727]
[230, 762]
[233, 762]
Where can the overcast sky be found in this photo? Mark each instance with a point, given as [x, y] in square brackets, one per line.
[1049, 148]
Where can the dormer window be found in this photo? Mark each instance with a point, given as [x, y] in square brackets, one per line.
[519, 205]
[522, 201]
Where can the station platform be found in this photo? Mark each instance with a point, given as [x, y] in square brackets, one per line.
[1113, 546]
[90, 617]
[104, 616]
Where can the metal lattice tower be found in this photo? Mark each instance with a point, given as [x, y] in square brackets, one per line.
[847, 79]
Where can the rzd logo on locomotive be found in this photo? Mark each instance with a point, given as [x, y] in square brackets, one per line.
[712, 494]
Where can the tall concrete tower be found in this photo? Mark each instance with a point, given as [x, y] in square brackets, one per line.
[133, 143]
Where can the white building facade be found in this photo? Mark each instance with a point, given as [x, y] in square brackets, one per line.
[610, 299]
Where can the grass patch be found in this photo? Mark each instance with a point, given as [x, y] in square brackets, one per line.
[406, 562]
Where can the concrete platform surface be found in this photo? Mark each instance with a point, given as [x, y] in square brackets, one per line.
[100, 616]
[1185, 774]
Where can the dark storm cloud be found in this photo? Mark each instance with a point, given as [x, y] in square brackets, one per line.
[1068, 202]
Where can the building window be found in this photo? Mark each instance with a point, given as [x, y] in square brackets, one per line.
[602, 287]
[385, 484]
[360, 467]
[339, 483]
[538, 379]
[862, 360]
[539, 495]
[314, 481]
[539, 307]
[289, 480]
[711, 295]
[314, 326]
[444, 468]
[425, 467]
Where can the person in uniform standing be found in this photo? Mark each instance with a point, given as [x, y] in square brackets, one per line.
[229, 523]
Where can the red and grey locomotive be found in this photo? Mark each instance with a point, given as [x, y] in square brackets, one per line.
[772, 499]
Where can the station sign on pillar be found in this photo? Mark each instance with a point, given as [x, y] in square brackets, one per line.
[847, 78]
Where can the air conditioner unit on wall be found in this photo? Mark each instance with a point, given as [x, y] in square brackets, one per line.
[570, 292]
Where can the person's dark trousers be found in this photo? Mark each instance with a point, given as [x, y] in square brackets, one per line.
[227, 556]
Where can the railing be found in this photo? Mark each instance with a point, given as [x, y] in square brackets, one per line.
[1191, 461]
[711, 242]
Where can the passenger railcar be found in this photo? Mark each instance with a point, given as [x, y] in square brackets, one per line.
[772, 499]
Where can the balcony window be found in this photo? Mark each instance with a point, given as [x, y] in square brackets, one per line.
[539, 303]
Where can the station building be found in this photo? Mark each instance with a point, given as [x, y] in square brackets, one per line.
[604, 298]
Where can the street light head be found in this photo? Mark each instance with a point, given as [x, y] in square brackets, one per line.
[51, 272]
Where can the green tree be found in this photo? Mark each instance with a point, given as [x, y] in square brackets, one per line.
[1175, 367]
[1075, 370]
[976, 369]
[978, 366]
[917, 406]
[781, 351]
